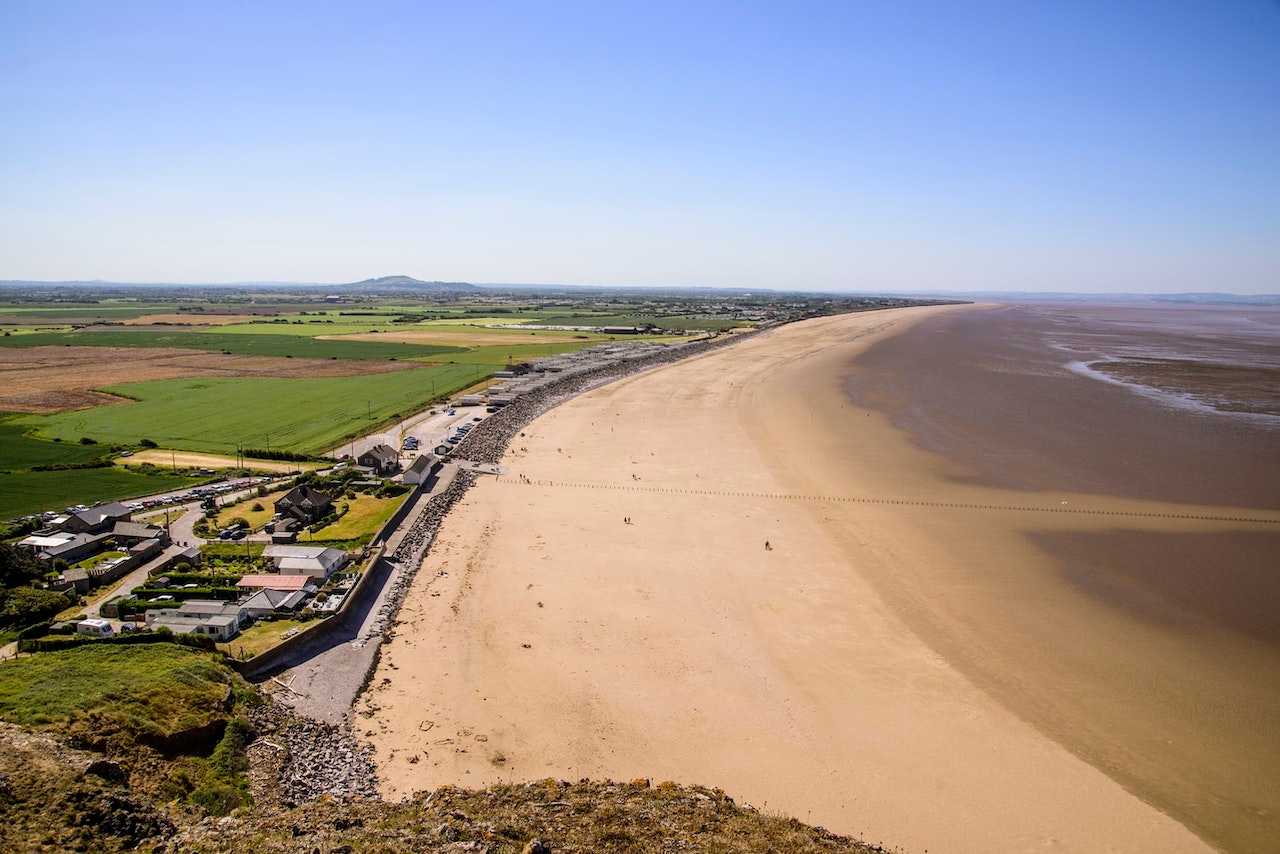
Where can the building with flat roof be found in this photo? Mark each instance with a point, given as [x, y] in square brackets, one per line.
[287, 583]
[218, 620]
[313, 561]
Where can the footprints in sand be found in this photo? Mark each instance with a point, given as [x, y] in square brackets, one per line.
[428, 746]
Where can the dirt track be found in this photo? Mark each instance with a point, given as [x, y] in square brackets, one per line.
[162, 457]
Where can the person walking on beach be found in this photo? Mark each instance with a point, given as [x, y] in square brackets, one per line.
[767, 547]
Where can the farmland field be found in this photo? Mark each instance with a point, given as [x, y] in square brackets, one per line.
[288, 346]
[191, 459]
[18, 450]
[23, 492]
[199, 375]
[217, 414]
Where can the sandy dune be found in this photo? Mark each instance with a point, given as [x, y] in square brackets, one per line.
[547, 636]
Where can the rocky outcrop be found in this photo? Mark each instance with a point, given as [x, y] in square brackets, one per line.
[295, 759]
[542, 817]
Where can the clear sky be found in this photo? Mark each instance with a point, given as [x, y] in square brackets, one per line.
[1087, 146]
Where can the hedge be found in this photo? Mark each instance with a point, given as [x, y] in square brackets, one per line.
[52, 644]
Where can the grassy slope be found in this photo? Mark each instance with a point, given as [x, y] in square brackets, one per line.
[214, 414]
[300, 346]
[30, 492]
[152, 689]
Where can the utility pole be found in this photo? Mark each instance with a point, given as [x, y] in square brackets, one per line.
[173, 460]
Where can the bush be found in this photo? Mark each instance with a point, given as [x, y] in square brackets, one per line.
[285, 456]
[22, 606]
[216, 797]
[147, 443]
[85, 440]
[257, 507]
[52, 643]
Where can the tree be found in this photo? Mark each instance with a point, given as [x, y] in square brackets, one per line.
[23, 606]
[17, 566]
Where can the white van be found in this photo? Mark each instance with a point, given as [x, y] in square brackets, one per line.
[95, 627]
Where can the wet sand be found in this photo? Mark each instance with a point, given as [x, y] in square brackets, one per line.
[1156, 643]
[867, 672]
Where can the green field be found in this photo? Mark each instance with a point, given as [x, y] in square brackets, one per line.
[105, 311]
[24, 492]
[365, 516]
[20, 451]
[291, 346]
[151, 689]
[699, 322]
[216, 414]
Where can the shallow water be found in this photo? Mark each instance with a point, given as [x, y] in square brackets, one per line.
[1149, 647]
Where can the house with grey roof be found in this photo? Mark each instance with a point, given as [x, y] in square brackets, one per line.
[382, 459]
[97, 518]
[271, 603]
[421, 470]
[219, 620]
[313, 561]
[304, 503]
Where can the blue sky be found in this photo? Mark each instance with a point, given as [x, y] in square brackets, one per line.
[1089, 146]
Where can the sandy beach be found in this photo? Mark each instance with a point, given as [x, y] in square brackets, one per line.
[609, 608]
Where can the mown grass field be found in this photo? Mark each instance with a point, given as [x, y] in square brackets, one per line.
[217, 414]
[244, 510]
[145, 689]
[365, 515]
[24, 492]
[260, 637]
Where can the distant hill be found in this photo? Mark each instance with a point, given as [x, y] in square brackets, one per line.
[406, 283]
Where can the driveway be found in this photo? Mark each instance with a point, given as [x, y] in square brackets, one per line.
[180, 530]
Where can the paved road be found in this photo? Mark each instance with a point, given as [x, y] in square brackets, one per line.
[180, 530]
[429, 429]
[325, 677]
[134, 579]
